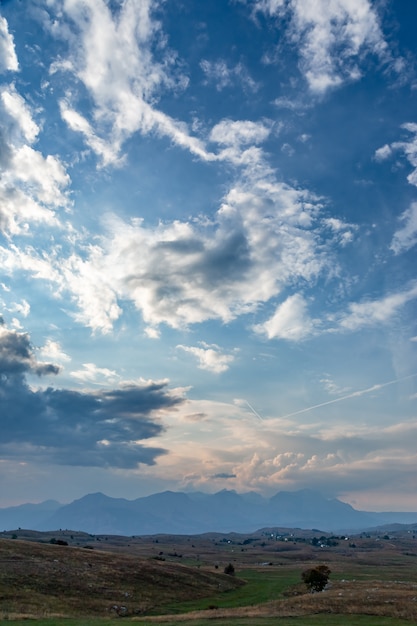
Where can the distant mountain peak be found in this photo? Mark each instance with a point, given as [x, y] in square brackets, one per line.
[195, 513]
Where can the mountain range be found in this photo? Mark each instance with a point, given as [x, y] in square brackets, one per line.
[196, 513]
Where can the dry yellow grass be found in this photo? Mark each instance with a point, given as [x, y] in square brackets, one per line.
[39, 580]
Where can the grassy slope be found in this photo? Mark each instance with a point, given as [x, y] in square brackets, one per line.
[39, 579]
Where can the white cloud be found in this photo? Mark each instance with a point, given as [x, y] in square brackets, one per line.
[290, 321]
[45, 176]
[17, 108]
[8, 58]
[343, 231]
[93, 374]
[22, 307]
[152, 333]
[52, 350]
[112, 56]
[406, 237]
[332, 37]
[109, 152]
[410, 150]
[283, 102]
[184, 273]
[223, 75]
[263, 238]
[374, 312]
[383, 153]
[89, 286]
[32, 186]
[237, 133]
[333, 388]
[16, 324]
[210, 357]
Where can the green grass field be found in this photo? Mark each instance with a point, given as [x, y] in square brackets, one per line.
[262, 585]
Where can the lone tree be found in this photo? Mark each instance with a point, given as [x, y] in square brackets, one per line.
[316, 578]
[229, 569]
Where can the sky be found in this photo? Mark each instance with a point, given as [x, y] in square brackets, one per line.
[208, 246]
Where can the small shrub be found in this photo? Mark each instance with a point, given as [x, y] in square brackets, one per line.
[229, 569]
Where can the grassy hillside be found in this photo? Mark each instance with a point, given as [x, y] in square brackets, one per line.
[42, 579]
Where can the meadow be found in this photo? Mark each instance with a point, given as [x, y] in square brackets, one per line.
[170, 579]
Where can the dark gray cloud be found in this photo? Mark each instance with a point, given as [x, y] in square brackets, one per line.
[224, 475]
[17, 356]
[87, 428]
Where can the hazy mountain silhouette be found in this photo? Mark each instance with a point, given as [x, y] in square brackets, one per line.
[195, 513]
[27, 515]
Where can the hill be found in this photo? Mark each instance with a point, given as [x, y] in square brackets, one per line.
[44, 579]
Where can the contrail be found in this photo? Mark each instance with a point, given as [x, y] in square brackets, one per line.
[253, 411]
[354, 394]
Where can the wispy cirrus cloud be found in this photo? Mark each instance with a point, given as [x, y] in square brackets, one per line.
[223, 75]
[406, 237]
[112, 55]
[379, 311]
[408, 147]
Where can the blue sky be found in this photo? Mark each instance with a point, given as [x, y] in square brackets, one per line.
[208, 247]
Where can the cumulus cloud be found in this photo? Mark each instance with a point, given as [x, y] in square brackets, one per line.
[53, 350]
[332, 37]
[290, 321]
[183, 273]
[383, 153]
[33, 187]
[210, 357]
[91, 428]
[271, 454]
[264, 237]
